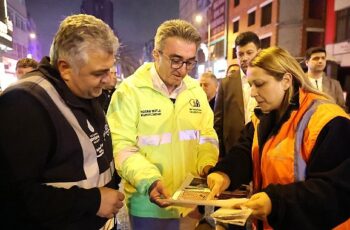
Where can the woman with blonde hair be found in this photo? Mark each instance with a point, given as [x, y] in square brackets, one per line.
[294, 151]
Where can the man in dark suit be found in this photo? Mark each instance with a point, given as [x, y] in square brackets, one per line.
[233, 102]
[315, 60]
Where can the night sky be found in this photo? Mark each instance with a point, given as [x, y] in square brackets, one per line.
[135, 23]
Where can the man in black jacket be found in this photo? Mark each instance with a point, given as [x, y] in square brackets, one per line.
[108, 89]
[57, 169]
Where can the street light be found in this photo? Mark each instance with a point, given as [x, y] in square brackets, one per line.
[32, 35]
[199, 19]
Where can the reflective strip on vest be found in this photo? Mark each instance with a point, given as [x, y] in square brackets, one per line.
[124, 154]
[187, 135]
[91, 168]
[299, 162]
[156, 140]
[204, 140]
[104, 178]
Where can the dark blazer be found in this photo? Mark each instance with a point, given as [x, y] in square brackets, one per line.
[229, 112]
[332, 87]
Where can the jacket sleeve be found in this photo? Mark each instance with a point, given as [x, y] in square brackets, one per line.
[237, 164]
[322, 201]
[122, 116]
[219, 119]
[339, 97]
[27, 143]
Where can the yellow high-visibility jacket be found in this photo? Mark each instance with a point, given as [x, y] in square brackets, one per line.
[154, 138]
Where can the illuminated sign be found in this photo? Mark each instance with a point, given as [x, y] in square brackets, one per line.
[217, 17]
[6, 27]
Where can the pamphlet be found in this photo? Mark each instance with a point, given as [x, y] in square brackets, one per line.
[232, 216]
[195, 191]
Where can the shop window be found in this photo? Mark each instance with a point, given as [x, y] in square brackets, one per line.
[234, 55]
[314, 39]
[10, 15]
[218, 50]
[266, 13]
[343, 25]
[235, 26]
[251, 18]
[200, 56]
[265, 42]
[319, 11]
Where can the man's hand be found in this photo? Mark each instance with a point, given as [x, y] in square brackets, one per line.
[261, 205]
[111, 202]
[157, 193]
[217, 182]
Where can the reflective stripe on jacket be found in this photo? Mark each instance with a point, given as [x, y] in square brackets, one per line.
[154, 138]
[285, 155]
[93, 176]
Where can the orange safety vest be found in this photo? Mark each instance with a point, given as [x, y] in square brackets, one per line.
[284, 156]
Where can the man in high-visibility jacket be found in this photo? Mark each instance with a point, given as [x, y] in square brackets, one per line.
[162, 128]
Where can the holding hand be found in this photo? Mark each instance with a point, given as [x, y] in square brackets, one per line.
[111, 202]
[261, 205]
[217, 182]
[157, 193]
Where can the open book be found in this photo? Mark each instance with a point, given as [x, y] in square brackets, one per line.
[195, 191]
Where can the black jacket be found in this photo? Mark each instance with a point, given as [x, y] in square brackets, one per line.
[38, 146]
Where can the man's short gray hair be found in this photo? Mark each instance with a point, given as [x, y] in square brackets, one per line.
[78, 34]
[176, 28]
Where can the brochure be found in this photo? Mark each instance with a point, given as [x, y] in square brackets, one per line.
[195, 191]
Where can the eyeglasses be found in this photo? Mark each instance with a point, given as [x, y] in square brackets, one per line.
[177, 63]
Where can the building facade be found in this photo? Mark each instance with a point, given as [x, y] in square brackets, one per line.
[18, 39]
[210, 19]
[294, 25]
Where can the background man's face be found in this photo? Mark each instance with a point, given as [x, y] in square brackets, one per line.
[245, 54]
[20, 71]
[317, 62]
[112, 80]
[209, 86]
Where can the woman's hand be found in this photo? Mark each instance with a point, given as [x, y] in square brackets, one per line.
[261, 205]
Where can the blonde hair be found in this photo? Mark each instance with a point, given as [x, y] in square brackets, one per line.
[176, 28]
[78, 34]
[277, 62]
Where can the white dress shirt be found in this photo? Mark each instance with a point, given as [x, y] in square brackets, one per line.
[316, 83]
[159, 85]
[249, 102]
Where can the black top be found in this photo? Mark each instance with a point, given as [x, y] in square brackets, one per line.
[29, 148]
[212, 103]
[105, 98]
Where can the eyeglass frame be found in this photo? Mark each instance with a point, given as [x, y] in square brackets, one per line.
[190, 64]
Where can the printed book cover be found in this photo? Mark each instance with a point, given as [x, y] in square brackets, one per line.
[195, 191]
